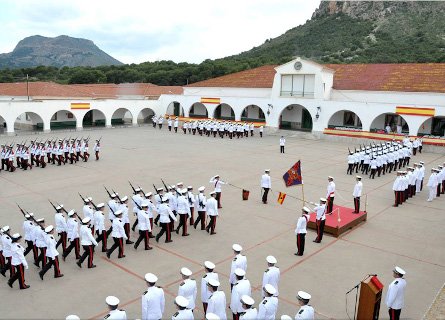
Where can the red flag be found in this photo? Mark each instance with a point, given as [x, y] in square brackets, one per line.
[293, 175]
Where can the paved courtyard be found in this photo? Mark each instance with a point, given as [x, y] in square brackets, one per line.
[410, 236]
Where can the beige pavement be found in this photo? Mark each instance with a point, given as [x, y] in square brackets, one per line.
[410, 236]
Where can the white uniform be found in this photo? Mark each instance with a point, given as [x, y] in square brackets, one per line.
[205, 293]
[357, 189]
[185, 314]
[249, 314]
[188, 290]
[144, 221]
[268, 308]
[116, 315]
[272, 276]
[153, 303]
[239, 261]
[217, 304]
[265, 181]
[61, 225]
[86, 236]
[72, 229]
[211, 207]
[305, 312]
[395, 297]
[99, 221]
[88, 212]
[242, 287]
[118, 230]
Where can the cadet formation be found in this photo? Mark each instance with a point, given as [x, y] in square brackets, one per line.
[210, 128]
[41, 153]
[173, 211]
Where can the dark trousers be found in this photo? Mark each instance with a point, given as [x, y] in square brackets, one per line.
[62, 240]
[29, 247]
[330, 205]
[183, 224]
[20, 275]
[438, 189]
[372, 175]
[320, 229]
[42, 257]
[218, 199]
[7, 265]
[365, 168]
[118, 243]
[102, 236]
[301, 239]
[192, 217]
[201, 218]
[88, 252]
[281, 149]
[356, 204]
[51, 263]
[143, 235]
[350, 167]
[97, 155]
[394, 314]
[165, 228]
[266, 191]
[75, 244]
[127, 231]
[212, 224]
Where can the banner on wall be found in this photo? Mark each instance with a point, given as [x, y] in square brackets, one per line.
[80, 105]
[211, 100]
[414, 111]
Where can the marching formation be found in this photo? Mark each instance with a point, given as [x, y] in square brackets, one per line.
[213, 127]
[88, 229]
[40, 153]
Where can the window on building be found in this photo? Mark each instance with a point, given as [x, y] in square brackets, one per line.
[54, 118]
[298, 85]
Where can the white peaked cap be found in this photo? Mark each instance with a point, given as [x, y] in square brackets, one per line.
[186, 272]
[213, 282]
[271, 259]
[112, 301]
[150, 277]
[72, 317]
[240, 272]
[301, 295]
[49, 228]
[86, 220]
[181, 301]
[212, 316]
[270, 289]
[399, 270]
[247, 300]
[236, 247]
[209, 265]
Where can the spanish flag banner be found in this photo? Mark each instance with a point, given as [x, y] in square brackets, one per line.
[211, 100]
[281, 197]
[80, 105]
[415, 111]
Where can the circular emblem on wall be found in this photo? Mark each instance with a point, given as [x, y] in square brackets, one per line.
[297, 65]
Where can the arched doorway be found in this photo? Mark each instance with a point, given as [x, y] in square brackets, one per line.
[28, 121]
[389, 123]
[345, 119]
[175, 109]
[224, 112]
[3, 125]
[62, 119]
[145, 116]
[295, 117]
[121, 116]
[198, 110]
[94, 118]
[253, 113]
[434, 126]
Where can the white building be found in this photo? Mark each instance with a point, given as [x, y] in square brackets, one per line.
[357, 100]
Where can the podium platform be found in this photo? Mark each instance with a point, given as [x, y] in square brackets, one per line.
[348, 220]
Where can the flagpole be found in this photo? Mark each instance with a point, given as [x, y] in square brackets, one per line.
[302, 191]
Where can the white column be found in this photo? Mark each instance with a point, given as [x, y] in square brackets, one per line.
[10, 127]
[47, 125]
[108, 121]
[135, 120]
[79, 123]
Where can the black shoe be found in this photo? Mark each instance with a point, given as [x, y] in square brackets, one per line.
[177, 231]
[167, 241]
[149, 248]
[59, 276]
[123, 256]
[108, 255]
[10, 283]
[129, 242]
[79, 264]
[157, 239]
[135, 247]
[25, 287]
[133, 229]
[38, 266]
[151, 237]
[93, 266]
[186, 235]
[41, 275]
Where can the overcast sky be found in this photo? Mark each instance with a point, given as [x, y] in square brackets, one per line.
[135, 31]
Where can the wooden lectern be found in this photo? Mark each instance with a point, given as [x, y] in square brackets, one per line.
[370, 297]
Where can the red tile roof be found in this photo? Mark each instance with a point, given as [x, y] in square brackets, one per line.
[261, 77]
[93, 91]
[409, 77]
[405, 77]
